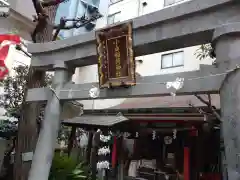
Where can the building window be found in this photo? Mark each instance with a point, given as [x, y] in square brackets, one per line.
[114, 18]
[114, 1]
[96, 3]
[170, 2]
[172, 60]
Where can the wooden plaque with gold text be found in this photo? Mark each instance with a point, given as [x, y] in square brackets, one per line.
[116, 65]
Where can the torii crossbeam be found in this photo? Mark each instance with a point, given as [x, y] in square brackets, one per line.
[188, 24]
[192, 23]
[197, 82]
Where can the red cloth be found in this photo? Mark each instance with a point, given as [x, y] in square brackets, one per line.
[6, 40]
[3, 54]
[114, 152]
[211, 176]
[186, 163]
[193, 132]
[10, 37]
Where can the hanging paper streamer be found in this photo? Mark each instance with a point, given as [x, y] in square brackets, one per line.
[83, 140]
[153, 135]
[7, 50]
[175, 85]
[105, 138]
[126, 134]
[137, 135]
[94, 92]
[103, 165]
[104, 151]
[174, 134]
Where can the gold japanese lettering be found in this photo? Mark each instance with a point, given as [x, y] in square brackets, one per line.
[118, 59]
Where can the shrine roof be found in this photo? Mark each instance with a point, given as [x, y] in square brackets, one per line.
[182, 111]
[99, 120]
[166, 102]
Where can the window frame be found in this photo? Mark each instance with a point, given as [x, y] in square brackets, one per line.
[172, 53]
[166, 5]
[111, 15]
[111, 3]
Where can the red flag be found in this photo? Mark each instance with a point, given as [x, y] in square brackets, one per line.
[6, 40]
[10, 37]
[3, 54]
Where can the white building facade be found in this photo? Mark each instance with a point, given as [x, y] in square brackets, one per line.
[19, 22]
[19, 19]
[174, 61]
[78, 8]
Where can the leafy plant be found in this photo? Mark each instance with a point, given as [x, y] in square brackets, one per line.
[8, 129]
[14, 91]
[203, 51]
[14, 31]
[14, 87]
[67, 168]
[80, 171]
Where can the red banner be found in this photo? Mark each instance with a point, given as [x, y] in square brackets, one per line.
[10, 37]
[6, 40]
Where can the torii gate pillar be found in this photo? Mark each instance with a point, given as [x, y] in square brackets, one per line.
[45, 148]
[226, 41]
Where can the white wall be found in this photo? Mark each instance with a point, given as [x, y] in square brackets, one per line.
[10, 24]
[23, 7]
[23, 26]
[103, 9]
[151, 64]
[128, 8]
[134, 8]
[18, 58]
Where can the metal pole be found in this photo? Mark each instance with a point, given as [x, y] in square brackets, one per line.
[45, 148]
